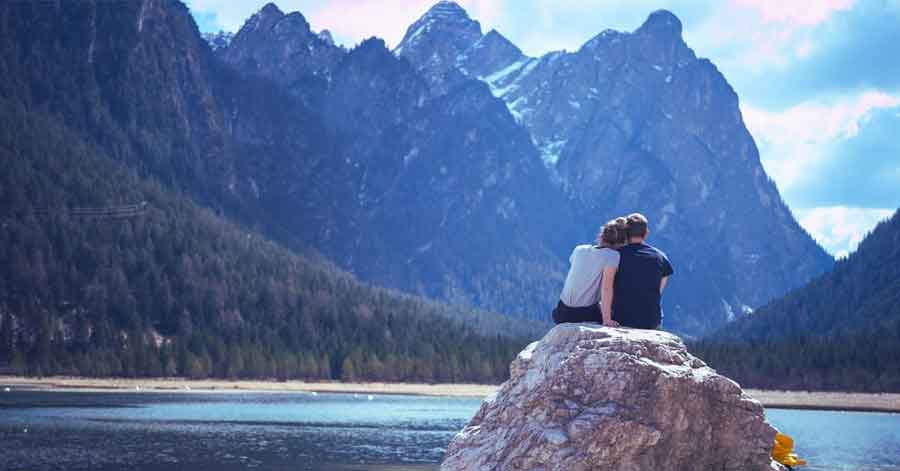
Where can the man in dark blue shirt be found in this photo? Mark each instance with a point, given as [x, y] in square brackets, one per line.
[641, 277]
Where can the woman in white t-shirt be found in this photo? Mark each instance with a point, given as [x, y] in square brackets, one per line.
[588, 291]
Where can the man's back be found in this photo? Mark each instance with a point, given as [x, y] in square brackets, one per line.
[636, 299]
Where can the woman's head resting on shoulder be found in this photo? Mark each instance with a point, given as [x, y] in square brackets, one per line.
[613, 234]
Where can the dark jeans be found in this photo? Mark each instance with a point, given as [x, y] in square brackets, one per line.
[563, 313]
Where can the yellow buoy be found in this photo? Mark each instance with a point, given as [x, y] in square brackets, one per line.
[783, 452]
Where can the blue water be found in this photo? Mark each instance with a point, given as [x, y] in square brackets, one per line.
[300, 431]
[863, 441]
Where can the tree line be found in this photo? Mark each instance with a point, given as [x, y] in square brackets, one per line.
[176, 290]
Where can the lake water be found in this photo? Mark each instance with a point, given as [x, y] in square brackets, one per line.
[299, 431]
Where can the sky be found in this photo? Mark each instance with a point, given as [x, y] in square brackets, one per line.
[818, 80]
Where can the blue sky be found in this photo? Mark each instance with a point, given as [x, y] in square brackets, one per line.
[819, 80]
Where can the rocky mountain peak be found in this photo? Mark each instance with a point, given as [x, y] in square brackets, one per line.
[374, 47]
[293, 22]
[271, 9]
[445, 9]
[285, 49]
[439, 36]
[489, 54]
[663, 24]
[493, 39]
[436, 43]
[325, 35]
[271, 23]
[265, 18]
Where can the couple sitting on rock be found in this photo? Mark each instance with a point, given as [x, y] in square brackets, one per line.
[618, 282]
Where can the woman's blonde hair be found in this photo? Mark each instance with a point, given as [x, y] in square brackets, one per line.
[613, 233]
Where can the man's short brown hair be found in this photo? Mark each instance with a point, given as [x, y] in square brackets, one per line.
[637, 225]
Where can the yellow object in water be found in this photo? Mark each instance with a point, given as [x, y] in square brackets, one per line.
[783, 451]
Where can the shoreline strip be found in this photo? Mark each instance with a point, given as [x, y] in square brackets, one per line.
[798, 400]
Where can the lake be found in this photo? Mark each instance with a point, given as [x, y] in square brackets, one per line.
[144, 431]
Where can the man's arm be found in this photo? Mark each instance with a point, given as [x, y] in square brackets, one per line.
[662, 284]
[606, 296]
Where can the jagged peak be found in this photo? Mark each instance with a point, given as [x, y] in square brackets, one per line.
[495, 41]
[662, 23]
[325, 35]
[494, 36]
[372, 45]
[446, 16]
[265, 18]
[271, 19]
[293, 22]
[447, 9]
[604, 37]
[270, 10]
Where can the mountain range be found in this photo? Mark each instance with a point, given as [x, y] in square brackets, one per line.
[131, 248]
[472, 169]
[452, 167]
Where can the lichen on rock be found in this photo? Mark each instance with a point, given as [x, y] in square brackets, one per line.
[588, 397]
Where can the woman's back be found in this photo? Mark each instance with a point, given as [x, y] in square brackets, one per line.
[582, 287]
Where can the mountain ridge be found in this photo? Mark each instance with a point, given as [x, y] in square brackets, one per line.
[839, 332]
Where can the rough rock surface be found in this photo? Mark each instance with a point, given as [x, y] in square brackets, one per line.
[587, 397]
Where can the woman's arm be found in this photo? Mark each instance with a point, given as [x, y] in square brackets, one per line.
[606, 296]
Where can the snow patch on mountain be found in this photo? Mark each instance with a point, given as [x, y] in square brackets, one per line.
[551, 151]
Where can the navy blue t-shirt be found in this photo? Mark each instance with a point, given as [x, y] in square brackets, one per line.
[636, 293]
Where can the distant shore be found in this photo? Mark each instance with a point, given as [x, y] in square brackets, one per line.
[772, 399]
[65, 383]
[817, 400]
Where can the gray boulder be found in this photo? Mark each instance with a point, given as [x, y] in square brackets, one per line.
[588, 397]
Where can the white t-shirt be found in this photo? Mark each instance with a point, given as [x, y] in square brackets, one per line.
[585, 276]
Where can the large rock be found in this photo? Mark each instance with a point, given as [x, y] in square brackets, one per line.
[587, 397]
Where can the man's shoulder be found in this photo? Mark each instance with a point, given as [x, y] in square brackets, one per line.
[657, 251]
[664, 261]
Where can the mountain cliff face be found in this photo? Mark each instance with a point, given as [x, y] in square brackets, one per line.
[860, 294]
[636, 122]
[137, 80]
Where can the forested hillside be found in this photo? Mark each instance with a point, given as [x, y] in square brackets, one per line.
[105, 274]
[841, 332]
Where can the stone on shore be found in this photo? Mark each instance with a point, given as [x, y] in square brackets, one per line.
[588, 397]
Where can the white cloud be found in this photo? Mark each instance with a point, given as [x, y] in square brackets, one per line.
[794, 141]
[749, 38]
[840, 229]
[806, 13]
